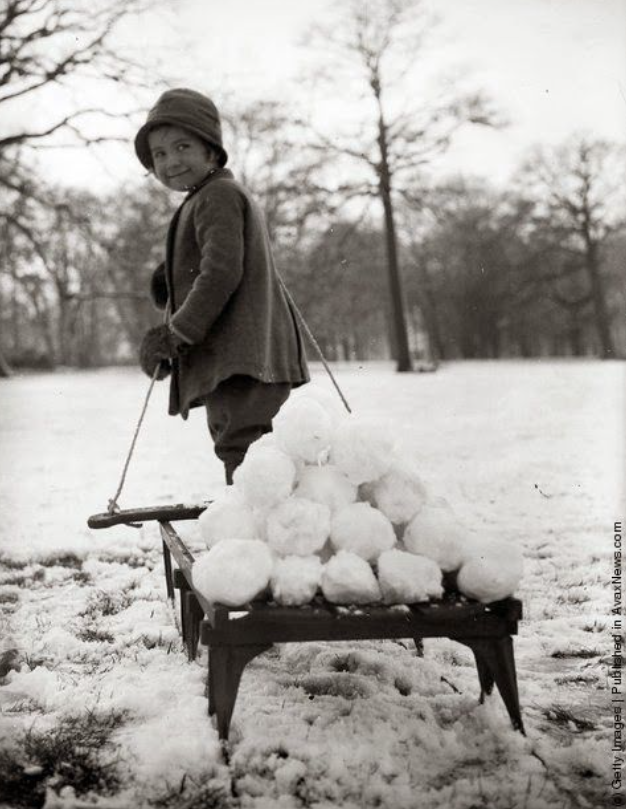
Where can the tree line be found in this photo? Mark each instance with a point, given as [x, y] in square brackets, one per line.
[486, 273]
[382, 260]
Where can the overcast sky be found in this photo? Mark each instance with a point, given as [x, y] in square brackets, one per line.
[552, 67]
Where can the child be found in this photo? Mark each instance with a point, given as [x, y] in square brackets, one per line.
[231, 338]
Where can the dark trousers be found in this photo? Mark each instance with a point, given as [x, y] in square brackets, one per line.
[239, 411]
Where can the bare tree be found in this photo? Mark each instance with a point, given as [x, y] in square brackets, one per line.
[378, 43]
[46, 45]
[577, 190]
[263, 143]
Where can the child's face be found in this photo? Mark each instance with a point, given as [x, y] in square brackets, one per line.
[180, 158]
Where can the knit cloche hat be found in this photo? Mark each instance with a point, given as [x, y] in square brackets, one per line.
[188, 109]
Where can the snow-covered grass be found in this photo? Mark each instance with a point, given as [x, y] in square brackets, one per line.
[100, 707]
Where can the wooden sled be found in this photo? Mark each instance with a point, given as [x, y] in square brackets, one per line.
[234, 636]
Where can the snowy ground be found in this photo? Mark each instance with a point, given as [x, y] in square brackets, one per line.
[100, 706]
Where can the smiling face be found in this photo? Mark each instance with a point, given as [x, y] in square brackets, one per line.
[180, 158]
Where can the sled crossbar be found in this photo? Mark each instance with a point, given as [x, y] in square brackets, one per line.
[235, 636]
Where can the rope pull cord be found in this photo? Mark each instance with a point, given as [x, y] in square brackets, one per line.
[314, 343]
[113, 506]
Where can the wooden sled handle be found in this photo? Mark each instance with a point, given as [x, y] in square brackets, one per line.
[180, 511]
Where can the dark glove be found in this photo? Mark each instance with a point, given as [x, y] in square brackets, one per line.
[157, 348]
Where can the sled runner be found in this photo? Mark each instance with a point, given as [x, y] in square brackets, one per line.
[234, 636]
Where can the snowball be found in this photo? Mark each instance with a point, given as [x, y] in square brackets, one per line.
[266, 476]
[260, 515]
[327, 485]
[405, 578]
[298, 527]
[234, 572]
[361, 529]
[362, 448]
[266, 440]
[399, 493]
[295, 579]
[435, 532]
[492, 571]
[348, 579]
[303, 430]
[328, 399]
[227, 517]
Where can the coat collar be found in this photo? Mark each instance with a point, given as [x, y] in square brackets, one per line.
[212, 175]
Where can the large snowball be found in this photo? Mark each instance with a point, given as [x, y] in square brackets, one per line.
[327, 485]
[405, 578]
[266, 476]
[436, 533]
[260, 515]
[348, 579]
[362, 448]
[266, 440]
[227, 517]
[492, 571]
[328, 399]
[234, 572]
[303, 430]
[298, 527]
[362, 530]
[295, 579]
[399, 493]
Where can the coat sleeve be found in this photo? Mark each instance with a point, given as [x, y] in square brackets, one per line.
[219, 225]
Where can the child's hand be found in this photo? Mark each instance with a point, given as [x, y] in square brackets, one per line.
[165, 369]
[157, 348]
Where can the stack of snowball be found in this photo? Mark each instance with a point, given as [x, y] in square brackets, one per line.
[328, 502]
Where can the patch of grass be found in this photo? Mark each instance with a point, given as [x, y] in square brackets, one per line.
[574, 595]
[577, 679]
[583, 654]
[157, 643]
[565, 716]
[82, 577]
[133, 558]
[92, 634]
[27, 706]
[9, 660]
[62, 560]
[348, 686]
[191, 795]
[595, 626]
[102, 604]
[72, 754]
[21, 577]
[12, 564]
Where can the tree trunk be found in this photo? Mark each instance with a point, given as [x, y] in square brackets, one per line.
[598, 294]
[403, 355]
[5, 370]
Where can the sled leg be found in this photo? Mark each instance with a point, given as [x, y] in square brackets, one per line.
[496, 663]
[485, 677]
[181, 584]
[195, 614]
[167, 563]
[226, 665]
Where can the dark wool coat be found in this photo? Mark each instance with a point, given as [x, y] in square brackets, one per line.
[224, 295]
